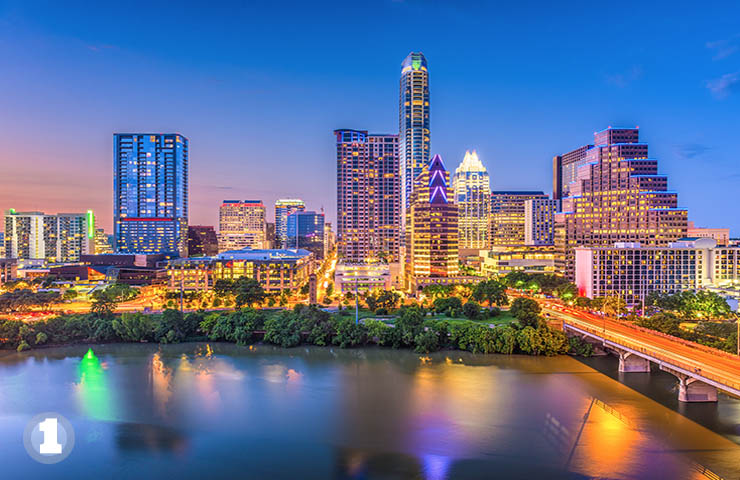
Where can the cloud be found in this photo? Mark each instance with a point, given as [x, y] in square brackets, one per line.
[689, 151]
[725, 85]
[724, 48]
[622, 79]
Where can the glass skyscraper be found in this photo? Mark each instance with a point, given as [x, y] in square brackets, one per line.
[413, 124]
[306, 230]
[283, 208]
[150, 199]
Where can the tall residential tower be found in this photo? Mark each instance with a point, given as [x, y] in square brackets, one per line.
[150, 193]
[413, 124]
[368, 195]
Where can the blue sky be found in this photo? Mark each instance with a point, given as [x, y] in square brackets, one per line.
[258, 88]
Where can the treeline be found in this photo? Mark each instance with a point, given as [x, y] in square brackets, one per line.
[304, 325]
[24, 299]
[722, 336]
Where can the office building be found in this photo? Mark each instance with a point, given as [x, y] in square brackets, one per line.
[270, 235]
[306, 231]
[2, 244]
[284, 207]
[618, 196]
[241, 224]
[507, 216]
[368, 195]
[539, 217]
[202, 241]
[413, 125]
[150, 199]
[503, 260]
[362, 277]
[473, 197]
[57, 238]
[432, 232]
[631, 271]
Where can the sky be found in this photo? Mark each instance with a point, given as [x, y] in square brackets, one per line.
[259, 87]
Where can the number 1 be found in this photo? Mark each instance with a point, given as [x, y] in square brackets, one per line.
[50, 446]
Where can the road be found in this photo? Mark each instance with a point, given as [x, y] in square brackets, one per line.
[713, 364]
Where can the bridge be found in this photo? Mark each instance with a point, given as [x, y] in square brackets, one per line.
[701, 371]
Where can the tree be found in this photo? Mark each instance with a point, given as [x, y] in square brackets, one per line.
[382, 299]
[134, 327]
[284, 330]
[491, 291]
[248, 291]
[69, 294]
[106, 301]
[527, 311]
[471, 310]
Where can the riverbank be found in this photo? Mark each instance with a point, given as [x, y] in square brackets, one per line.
[411, 329]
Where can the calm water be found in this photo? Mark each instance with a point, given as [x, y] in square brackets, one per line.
[210, 411]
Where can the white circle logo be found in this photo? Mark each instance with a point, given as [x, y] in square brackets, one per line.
[49, 438]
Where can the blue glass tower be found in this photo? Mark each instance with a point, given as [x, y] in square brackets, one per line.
[150, 193]
[306, 230]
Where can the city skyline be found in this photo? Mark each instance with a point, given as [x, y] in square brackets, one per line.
[688, 124]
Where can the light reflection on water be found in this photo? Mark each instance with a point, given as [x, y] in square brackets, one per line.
[195, 410]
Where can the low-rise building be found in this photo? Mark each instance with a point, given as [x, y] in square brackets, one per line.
[276, 269]
[500, 261]
[720, 235]
[631, 271]
[362, 276]
[8, 270]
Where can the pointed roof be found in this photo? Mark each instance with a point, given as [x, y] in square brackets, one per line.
[470, 163]
[437, 181]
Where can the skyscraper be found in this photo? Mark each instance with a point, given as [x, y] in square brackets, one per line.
[241, 224]
[306, 231]
[473, 197]
[413, 124]
[617, 196]
[62, 237]
[507, 216]
[283, 207]
[150, 200]
[432, 232]
[368, 195]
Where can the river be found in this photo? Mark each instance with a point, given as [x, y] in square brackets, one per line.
[202, 410]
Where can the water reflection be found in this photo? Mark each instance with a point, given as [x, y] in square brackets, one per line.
[94, 398]
[137, 437]
[264, 412]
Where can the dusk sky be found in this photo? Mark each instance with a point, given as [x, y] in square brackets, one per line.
[258, 88]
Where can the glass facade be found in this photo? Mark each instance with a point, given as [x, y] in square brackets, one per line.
[150, 202]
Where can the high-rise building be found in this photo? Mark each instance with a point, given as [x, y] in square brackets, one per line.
[368, 195]
[539, 217]
[150, 200]
[102, 242]
[62, 237]
[270, 235]
[413, 125]
[2, 244]
[202, 241]
[618, 196]
[473, 198]
[432, 232]
[306, 231]
[241, 224]
[507, 216]
[284, 207]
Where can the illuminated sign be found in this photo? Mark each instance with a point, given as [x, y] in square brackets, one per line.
[90, 224]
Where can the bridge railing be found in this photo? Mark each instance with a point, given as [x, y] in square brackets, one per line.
[599, 332]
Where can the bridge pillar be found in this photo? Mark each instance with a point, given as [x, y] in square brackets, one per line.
[691, 390]
[631, 363]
